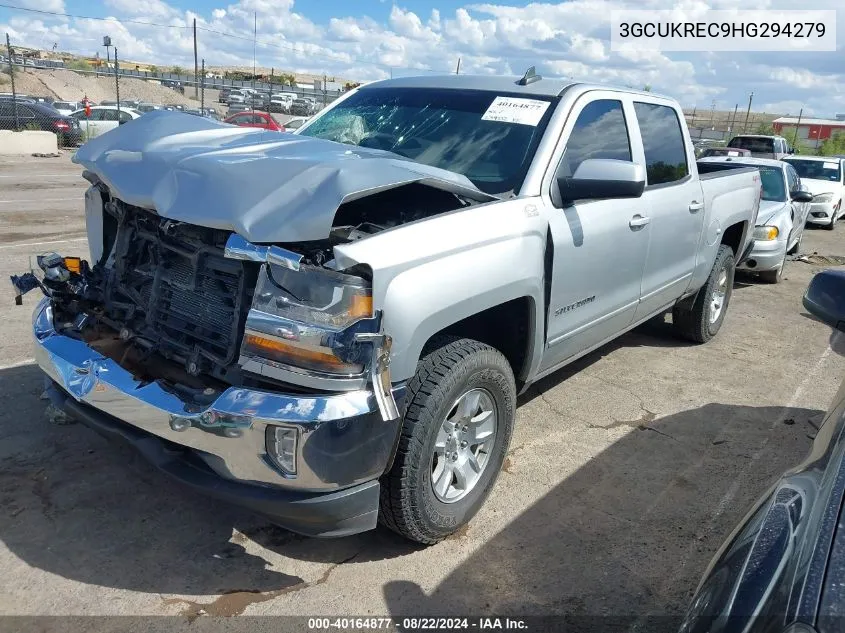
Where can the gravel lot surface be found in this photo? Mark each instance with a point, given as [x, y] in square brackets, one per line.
[626, 472]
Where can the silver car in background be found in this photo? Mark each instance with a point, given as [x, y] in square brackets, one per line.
[824, 178]
[784, 208]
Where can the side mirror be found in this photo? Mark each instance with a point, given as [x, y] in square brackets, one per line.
[598, 179]
[801, 195]
[825, 298]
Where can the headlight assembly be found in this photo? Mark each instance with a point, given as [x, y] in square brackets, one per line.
[823, 197]
[298, 318]
[766, 233]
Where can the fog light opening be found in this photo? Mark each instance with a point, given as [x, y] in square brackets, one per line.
[281, 448]
[751, 263]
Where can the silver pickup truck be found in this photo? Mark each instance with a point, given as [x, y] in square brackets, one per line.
[331, 328]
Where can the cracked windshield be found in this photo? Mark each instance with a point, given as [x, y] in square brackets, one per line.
[441, 128]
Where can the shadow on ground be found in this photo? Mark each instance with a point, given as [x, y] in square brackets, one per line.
[629, 533]
[83, 509]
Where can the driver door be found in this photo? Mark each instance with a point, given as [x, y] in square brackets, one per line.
[600, 246]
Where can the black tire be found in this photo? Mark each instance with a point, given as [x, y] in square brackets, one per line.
[449, 367]
[693, 320]
[774, 276]
[832, 224]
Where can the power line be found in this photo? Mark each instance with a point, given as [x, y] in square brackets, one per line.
[254, 40]
[88, 17]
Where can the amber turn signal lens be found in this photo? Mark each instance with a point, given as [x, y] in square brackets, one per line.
[361, 306]
[73, 264]
[299, 356]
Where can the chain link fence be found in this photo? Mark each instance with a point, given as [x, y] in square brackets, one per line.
[48, 90]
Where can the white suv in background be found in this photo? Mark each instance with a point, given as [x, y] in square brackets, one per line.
[823, 176]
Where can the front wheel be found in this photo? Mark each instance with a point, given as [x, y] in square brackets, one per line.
[832, 224]
[455, 434]
[701, 321]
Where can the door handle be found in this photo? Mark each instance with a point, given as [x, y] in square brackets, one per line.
[638, 221]
[695, 207]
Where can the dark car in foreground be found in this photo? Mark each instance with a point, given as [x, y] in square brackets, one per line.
[783, 568]
[39, 116]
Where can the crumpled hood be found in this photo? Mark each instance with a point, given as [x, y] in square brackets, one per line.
[265, 186]
[768, 210]
[821, 186]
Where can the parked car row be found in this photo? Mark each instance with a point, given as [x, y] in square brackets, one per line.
[796, 191]
[243, 99]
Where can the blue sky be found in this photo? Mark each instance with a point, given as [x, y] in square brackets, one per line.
[372, 39]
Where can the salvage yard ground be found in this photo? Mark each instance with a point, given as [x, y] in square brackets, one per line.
[626, 472]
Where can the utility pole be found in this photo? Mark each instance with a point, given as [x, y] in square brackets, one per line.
[196, 87]
[254, 38]
[733, 119]
[458, 69]
[798, 125]
[324, 90]
[712, 113]
[747, 113]
[202, 91]
[117, 84]
[12, 76]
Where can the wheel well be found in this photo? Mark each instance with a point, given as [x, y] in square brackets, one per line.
[733, 237]
[508, 327]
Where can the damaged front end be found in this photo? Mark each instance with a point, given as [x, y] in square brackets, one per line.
[203, 309]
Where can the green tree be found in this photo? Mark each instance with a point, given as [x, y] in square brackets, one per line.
[154, 70]
[766, 129]
[80, 64]
[177, 70]
[647, 88]
[833, 145]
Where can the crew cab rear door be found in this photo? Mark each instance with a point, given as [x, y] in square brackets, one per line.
[673, 200]
[599, 246]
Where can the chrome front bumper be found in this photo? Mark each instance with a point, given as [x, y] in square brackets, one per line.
[765, 255]
[344, 440]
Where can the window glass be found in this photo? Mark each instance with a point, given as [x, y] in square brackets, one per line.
[663, 143]
[830, 170]
[447, 128]
[792, 178]
[125, 116]
[599, 132]
[108, 115]
[753, 144]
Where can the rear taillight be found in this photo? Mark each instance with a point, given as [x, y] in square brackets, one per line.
[282, 128]
[61, 125]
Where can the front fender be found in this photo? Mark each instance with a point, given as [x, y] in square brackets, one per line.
[431, 274]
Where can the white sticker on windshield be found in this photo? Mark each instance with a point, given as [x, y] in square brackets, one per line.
[831, 165]
[516, 110]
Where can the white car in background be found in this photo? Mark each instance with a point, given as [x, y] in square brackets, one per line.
[294, 123]
[823, 176]
[66, 107]
[103, 119]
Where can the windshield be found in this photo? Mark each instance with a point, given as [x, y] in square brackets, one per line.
[754, 145]
[817, 169]
[774, 188]
[456, 130]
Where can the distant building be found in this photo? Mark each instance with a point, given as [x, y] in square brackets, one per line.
[811, 129]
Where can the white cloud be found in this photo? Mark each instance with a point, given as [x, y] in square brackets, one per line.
[57, 6]
[568, 38]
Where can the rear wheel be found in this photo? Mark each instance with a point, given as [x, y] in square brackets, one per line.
[455, 435]
[701, 320]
